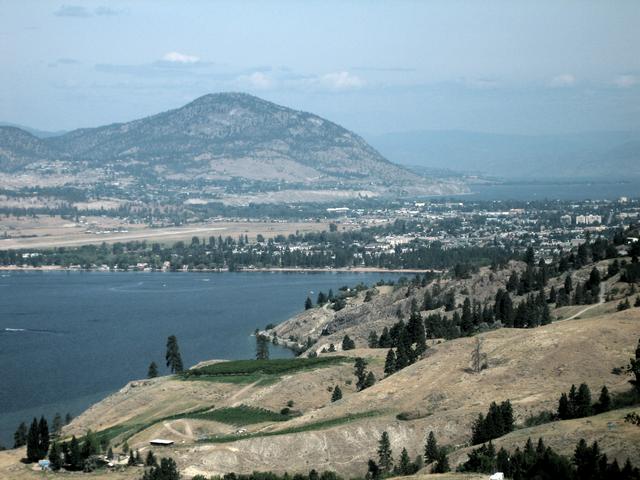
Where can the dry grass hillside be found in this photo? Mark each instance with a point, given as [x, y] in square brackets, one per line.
[386, 306]
[529, 367]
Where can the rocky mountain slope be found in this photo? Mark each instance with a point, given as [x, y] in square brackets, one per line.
[219, 137]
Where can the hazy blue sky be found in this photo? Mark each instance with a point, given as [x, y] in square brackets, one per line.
[501, 66]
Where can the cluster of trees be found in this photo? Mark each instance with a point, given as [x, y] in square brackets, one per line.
[498, 421]
[312, 475]
[531, 312]
[327, 249]
[577, 403]
[22, 434]
[77, 455]
[166, 470]
[386, 466]
[542, 462]
[408, 340]
[37, 440]
[364, 378]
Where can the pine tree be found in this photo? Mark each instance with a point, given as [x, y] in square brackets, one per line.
[55, 457]
[564, 409]
[405, 467]
[431, 449]
[74, 459]
[337, 394]
[308, 303]
[442, 463]
[347, 343]
[33, 442]
[153, 370]
[583, 401]
[262, 347]
[56, 425]
[150, 461]
[67, 418]
[110, 454]
[634, 368]
[604, 401]
[385, 455]
[360, 371]
[373, 340]
[43, 438]
[390, 363]
[173, 357]
[20, 437]
[369, 381]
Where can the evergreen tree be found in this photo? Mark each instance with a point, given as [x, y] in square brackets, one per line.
[385, 340]
[74, 458]
[153, 370]
[385, 456]
[150, 461]
[604, 401]
[67, 418]
[20, 436]
[564, 409]
[390, 363]
[634, 368]
[373, 340]
[568, 284]
[262, 347]
[167, 470]
[55, 457]
[347, 343]
[583, 401]
[431, 449]
[110, 455]
[132, 458]
[43, 438]
[360, 371]
[373, 471]
[308, 303]
[405, 467]
[369, 381]
[442, 463]
[322, 299]
[172, 356]
[337, 394]
[33, 442]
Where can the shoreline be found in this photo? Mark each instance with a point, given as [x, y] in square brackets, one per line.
[56, 268]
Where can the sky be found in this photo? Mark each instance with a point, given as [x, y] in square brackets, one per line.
[375, 67]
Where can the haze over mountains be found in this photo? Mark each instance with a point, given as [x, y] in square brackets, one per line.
[216, 138]
[583, 155]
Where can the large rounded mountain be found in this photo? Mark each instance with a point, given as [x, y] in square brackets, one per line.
[225, 136]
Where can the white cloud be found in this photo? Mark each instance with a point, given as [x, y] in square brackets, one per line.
[76, 11]
[177, 57]
[626, 81]
[341, 81]
[258, 80]
[563, 80]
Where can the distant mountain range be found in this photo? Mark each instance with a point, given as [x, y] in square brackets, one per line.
[580, 155]
[217, 137]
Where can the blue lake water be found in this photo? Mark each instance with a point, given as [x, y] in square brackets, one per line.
[596, 190]
[68, 339]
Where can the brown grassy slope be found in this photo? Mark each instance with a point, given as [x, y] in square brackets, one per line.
[530, 367]
[616, 437]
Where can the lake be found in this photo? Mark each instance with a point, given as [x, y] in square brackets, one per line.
[595, 190]
[68, 339]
